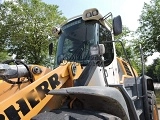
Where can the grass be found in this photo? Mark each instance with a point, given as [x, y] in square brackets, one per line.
[158, 97]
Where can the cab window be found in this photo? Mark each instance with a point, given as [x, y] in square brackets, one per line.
[105, 35]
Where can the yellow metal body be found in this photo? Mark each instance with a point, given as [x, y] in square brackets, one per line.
[125, 70]
[27, 100]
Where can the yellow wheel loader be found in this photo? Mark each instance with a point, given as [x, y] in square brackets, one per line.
[89, 81]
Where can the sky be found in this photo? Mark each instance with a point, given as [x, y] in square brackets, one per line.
[130, 10]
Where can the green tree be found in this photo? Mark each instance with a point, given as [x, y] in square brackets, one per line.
[123, 38]
[129, 46]
[153, 70]
[149, 29]
[4, 56]
[3, 51]
[27, 28]
[2, 34]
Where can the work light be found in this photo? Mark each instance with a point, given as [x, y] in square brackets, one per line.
[97, 49]
[94, 50]
[95, 12]
[91, 14]
[88, 15]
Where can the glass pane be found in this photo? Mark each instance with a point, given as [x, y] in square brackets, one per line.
[105, 35]
[76, 39]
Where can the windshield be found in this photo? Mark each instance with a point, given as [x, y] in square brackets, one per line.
[75, 40]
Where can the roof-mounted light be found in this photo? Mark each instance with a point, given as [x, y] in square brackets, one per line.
[91, 14]
[95, 12]
[56, 31]
[88, 15]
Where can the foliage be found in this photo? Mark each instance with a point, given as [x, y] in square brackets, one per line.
[149, 29]
[129, 48]
[153, 70]
[4, 56]
[122, 37]
[149, 35]
[26, 28]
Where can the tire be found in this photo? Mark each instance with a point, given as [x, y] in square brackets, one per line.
[70, 114]
[153, 110]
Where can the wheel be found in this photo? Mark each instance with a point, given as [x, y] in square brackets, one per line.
[152, 106]
[70, 114]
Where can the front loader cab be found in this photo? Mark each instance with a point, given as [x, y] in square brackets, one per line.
[79, 34]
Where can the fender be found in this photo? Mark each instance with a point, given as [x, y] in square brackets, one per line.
[96, 98]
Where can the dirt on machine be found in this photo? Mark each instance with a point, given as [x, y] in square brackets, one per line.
[88, 82]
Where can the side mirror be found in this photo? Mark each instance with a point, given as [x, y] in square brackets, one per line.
[56, 31]
[117, 25]
[50, 49]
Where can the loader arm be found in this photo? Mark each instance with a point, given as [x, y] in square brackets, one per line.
[23, 101]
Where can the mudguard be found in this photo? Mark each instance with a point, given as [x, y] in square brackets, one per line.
[97, 98]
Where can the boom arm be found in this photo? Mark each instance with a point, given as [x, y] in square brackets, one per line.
[23, 101]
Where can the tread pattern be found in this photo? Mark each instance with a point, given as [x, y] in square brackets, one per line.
[152, 103]
[70, 114]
